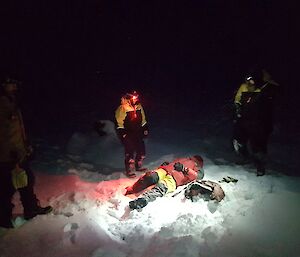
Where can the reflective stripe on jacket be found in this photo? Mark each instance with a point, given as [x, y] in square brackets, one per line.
[128, 117]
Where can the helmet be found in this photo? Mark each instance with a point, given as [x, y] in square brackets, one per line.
[254, 76]
[199, 163]
[133, 97]
[9, 80]
[198, 159]
[250, 79]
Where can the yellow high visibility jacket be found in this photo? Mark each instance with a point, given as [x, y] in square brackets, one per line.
[12, 134]
[130, 117]
[244, 88]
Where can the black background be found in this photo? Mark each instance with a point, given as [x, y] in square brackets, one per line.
[79, 57]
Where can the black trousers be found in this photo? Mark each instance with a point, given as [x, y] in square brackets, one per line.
[134, 147]
[255, 135]
[7, 190]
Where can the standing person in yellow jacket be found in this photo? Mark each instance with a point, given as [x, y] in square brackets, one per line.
[253, 121]
[15, 152]
[241, 100]
[132, 128]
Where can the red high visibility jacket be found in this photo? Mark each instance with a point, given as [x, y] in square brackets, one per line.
[180, 177]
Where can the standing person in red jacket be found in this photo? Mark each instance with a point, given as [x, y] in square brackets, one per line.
[166, 179]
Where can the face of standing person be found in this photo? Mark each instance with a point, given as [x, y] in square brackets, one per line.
[10, 87]
[133, 98]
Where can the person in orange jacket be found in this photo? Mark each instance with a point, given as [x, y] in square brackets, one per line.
[15, 153]
[166, 179]
[132, 128]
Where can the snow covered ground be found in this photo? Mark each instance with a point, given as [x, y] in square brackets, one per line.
[259, 216]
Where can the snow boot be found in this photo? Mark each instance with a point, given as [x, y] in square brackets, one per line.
[260, 161]
[129, 166]
[139, 164]
[260, 171]
[138, 203]
[129, 190]
[38, 210]
[260, 165]
[130, 174]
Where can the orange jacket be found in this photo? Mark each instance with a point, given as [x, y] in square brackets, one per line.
[180, 177]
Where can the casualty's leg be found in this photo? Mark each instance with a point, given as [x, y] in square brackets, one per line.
[158, 191]
[148, 179]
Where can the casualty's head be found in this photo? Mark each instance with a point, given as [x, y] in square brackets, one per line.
[9, 86]
[199, 163]
[132, 97]
[198, 159]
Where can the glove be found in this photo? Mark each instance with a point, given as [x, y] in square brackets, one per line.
[19, 178]
[121, 133]
[179, 167]
[145, 131]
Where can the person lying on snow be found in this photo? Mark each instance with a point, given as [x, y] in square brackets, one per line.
[167, 178]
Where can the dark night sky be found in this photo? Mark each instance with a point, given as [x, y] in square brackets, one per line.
[90, 52]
